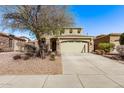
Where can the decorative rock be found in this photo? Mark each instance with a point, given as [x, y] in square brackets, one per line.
[52, 56]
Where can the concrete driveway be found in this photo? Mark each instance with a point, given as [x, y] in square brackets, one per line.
[79, 70]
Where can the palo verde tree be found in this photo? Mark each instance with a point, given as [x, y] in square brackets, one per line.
[39, 20]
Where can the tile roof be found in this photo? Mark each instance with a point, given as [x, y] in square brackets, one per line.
[111, 34]
[12, 37]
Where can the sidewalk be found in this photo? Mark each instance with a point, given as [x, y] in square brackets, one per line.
[79, 71]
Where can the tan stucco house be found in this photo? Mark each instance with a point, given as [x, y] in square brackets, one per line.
[71, 41]
[10, 42]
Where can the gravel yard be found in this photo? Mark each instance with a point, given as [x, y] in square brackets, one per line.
[28, 67]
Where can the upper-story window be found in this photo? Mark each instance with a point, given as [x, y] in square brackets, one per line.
[70, 31]
[79, 31]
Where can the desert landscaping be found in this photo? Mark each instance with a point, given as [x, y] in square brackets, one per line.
[43, 46]
[9, 66]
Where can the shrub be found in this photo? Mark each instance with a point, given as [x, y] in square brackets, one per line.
[52, 56]
[30, 48]
[17, 57]
[120, 49]
[121, 40]
[107, 47]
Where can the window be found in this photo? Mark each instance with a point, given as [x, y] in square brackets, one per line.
[10, 42]
[79, 31]
[70, 31]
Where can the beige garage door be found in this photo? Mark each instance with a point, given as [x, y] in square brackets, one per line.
[74, 47]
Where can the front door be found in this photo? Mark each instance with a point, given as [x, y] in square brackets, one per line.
[53, 44]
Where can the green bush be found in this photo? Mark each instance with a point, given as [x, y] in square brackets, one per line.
[121, 40]
[107, 47]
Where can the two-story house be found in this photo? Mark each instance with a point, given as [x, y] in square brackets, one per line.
[71, 41]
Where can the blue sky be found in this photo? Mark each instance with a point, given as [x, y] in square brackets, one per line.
[95, 20]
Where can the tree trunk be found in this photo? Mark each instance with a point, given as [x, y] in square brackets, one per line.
[42, 49]
[42, 52]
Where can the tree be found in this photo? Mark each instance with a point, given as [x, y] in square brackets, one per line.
[121, 40]
[39, 20]
[107, 47]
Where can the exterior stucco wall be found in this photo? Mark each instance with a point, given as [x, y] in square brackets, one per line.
[6, 43]
[115, 40]
[73, 30]
[66, 32]
[18, 45]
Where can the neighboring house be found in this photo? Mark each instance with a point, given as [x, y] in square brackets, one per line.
[18, 44]
[110, 38]
[27, 39]
[71, 41]
[31, 43]
[11, 43]
[5, 42]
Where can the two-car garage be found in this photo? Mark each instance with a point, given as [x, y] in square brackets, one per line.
[74, 44]
[74, 47]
